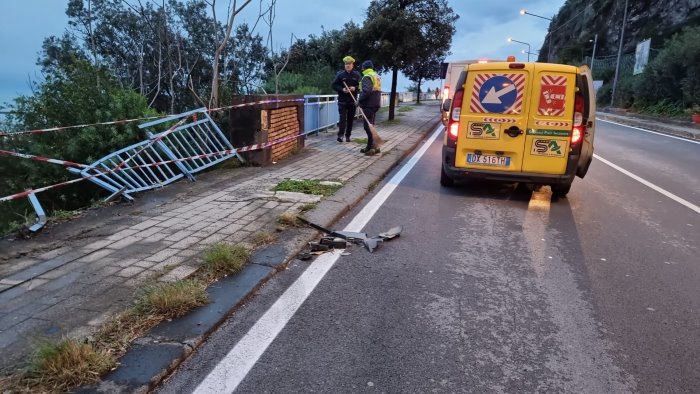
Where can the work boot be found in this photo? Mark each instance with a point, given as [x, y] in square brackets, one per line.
[347, 139]
[365, 150]
[371, 152]
[339, 139]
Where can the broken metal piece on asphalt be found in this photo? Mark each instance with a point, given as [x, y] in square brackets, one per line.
[392, 233]
[317, 247]
[334, 242]
[304, 256]
[370, 243]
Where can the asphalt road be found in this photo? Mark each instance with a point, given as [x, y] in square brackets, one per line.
[492, 288]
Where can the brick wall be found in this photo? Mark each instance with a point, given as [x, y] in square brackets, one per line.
[283, 122]
[264, 122]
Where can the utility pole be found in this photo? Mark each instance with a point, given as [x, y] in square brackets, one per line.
[619, 54]
[595, 42]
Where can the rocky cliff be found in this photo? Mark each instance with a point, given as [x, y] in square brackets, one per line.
[573, 29]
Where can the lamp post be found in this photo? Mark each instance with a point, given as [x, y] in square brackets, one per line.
[549, 39]
[524, 43]
[595, 42]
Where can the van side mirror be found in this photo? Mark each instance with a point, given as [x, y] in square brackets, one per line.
[446, 105]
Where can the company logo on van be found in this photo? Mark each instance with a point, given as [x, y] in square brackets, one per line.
[484, 130]
[553, 148]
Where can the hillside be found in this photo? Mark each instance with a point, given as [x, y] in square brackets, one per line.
[578, 21]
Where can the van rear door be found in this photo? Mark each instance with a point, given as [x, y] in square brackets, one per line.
[493, 117]
[549, 126]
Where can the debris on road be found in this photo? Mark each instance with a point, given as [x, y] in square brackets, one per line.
[340, 239]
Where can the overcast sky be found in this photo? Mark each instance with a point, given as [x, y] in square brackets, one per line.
[482, 30]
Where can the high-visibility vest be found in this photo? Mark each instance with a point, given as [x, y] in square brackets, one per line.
[376, 81]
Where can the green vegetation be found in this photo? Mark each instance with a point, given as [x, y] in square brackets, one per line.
[405, 109]
[307, 186]
[171, 299]
[66, 364]
[669, 85]
[225, 259]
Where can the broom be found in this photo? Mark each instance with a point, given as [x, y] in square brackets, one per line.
[378, 141]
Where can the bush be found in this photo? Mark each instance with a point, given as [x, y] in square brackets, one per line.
[674, 74]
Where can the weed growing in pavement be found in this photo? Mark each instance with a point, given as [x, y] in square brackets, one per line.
[405, 109]
[171, 299]
[58, 367]
[224, 259]
[383, 109]
[288, 219]
[263, 238]
[362, 141]
[307, 186]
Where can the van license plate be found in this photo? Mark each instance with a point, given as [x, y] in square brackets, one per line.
[489, 160]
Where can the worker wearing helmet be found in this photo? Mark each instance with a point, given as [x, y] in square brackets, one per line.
[346, 102]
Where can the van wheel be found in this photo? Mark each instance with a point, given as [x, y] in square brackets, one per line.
[445, 179]
[561, 190]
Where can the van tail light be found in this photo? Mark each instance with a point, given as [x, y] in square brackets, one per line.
[453, 125]
[579, 128]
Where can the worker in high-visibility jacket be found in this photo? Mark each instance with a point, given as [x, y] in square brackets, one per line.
[369, 101]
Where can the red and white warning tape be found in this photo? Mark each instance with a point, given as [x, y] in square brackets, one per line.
[64, 163]
[60, 128]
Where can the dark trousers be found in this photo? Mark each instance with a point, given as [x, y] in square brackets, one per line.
[370, 113]
[347, 113]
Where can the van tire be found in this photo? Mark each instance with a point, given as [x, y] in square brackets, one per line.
[561, 190]
[445, 179]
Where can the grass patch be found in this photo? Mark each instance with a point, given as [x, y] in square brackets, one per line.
[307, 186]
[225, 259]
[362, 141]
[171, 299]
[405, 109]
[69, 363]
[263, 238]
[393, 121]
[288, 219]
[383, 109]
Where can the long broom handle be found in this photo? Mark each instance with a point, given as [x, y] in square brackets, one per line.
[355, 100]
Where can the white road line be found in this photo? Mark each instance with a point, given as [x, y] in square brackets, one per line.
[234, 367]
[650, 131]
[650, 185]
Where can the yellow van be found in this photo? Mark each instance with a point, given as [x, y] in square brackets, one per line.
[520, 122]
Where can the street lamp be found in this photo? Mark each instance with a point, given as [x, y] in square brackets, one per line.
[549, 40]
[595, 42]
[524, 43]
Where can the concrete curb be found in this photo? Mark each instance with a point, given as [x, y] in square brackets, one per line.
[155, 356]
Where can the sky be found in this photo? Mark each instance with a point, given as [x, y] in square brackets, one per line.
[482, 30]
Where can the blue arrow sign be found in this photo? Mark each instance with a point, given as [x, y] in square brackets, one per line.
[498, 94]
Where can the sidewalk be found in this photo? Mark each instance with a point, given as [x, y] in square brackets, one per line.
[69, 278]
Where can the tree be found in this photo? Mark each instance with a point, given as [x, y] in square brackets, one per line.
[426, 68]
[399, 33]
